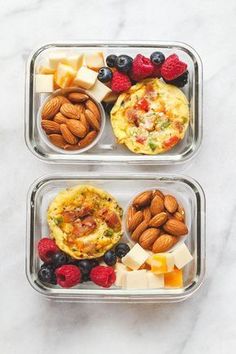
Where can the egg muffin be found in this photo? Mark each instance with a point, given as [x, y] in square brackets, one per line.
[151, 117]
[85, 221]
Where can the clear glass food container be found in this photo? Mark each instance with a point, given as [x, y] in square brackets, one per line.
[123, 188]
[107, 150]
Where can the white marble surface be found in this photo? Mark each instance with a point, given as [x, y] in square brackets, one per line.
[204, 324]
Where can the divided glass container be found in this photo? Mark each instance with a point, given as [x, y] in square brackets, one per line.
[107, 150]
[123, 188]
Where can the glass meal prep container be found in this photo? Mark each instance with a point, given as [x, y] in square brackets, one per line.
[107, 150]
[123, 188]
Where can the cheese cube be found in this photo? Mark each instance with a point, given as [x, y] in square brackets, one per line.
[155, 281]
[174, 279]
[99, 90]
[55, 58]
[135, 257]
[136, 280]
[75, 61]
[46, 70]
[111, 97]
[43, 83]
[64, 75]
[161, 263]
[120, 270]
[85, 78]
[95, 60]
[182, 256]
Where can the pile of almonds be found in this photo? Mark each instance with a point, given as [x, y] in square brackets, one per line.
[156, 221]
[71, 122]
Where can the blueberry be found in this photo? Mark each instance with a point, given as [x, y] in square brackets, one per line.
[180, 81]
[85, 266]
[85, 277]
[122, 249]
[59, 259]
[46, 274]
[94, 263]
[157, 58]
[111, 60]
[105, 74]
[110, 258]
[124, 63]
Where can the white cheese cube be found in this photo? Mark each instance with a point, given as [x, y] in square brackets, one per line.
[182, 256]
[75, 61]
[135, 257]
[55, 58]
[120, 270]
[85, 78]
[95, 60]
[155, 281]
[99, 90]
[46, 70]
[136, 280]
[43, 83]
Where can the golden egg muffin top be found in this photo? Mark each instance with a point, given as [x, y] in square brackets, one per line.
[151, 117]
[85, 221]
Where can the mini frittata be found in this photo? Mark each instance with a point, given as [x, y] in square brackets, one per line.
[85, 221]
[151, 117]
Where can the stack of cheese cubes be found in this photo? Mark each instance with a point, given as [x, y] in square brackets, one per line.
[165, 268]
[79, 70]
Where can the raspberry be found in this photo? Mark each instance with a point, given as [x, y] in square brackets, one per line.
[103, 276]
[120, 82]
[172, 68]
[142, 67]
[46, 249]
[68, 275]
[156, 71]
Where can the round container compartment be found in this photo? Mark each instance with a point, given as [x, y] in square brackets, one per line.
[43, 135]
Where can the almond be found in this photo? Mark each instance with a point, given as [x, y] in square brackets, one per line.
[67, 135]
[158, 219]
[178, 216]
[148, 237]
[170, 203]
[181, 211]
[164, 243]
[92, 120]
[69, 110]
[135, 221]
[57, 140]
[142, 199]
[50, 126]
[71, 147]
[87, 140]
[175, 227]
[76, 127]
[77, 97]
[158, 192]
[93, 108]
[130, 213]
[84, 121]
[63, 99]
[157, 205]
[139, 230]
[59, 118]
[51, 108]
[147, 214]
[80, 108]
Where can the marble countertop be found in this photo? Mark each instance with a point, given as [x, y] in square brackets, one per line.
[206, 322]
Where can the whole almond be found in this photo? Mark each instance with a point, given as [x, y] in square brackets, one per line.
[157, 205]
[175, 227]
[93, 108]
[80, 108]
[181, 211]
[71, 147]
[147, 214]
[77, 97]
[139, 230]
[69, 110]
[135, 221]
[142, 199]
[92, 120]
[178, 216]
[51, 108]
[67, 135]
[59, 118]
[170, 203]
[76, 127]
[84, 121]
[50, 126]
[87, 140]
[164, 243]
[148, 237]
[158, 192]
[130, 213]
[158, 219]
[57, 140]
[63, 99]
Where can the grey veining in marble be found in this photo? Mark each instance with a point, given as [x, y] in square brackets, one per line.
[205, 323]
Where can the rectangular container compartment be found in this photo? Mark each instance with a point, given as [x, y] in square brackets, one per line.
[123, 188]
[107, 150]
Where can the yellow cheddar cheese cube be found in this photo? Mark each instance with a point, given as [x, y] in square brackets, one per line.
[174, 279]
[46, 70]
[161, 263]
[43, 83]
[99, 90]
[94, 61]
[64, 75]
